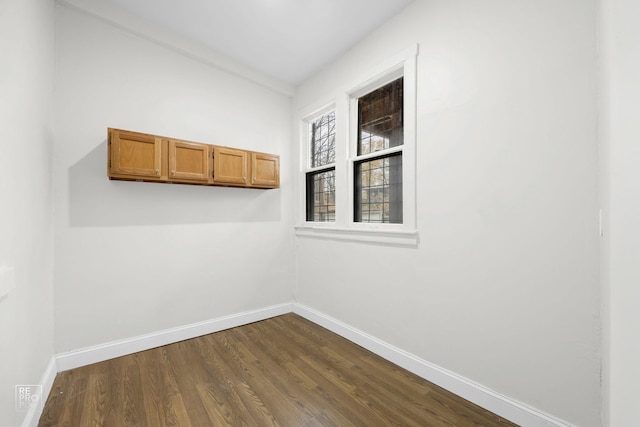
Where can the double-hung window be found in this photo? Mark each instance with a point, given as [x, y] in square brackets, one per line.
[359, 159]
[321, 177]
[377, 166]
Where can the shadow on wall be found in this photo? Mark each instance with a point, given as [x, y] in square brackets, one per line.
[95, 201]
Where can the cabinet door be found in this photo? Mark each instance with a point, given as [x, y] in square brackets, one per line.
[265, 170]
[134, 154]
[230, 166]
[189, 161]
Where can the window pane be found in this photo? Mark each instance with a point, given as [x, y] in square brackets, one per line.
[323, 140]
[378, 190]
[380, 117]
[321, 196]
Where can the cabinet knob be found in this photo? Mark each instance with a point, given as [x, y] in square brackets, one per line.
[173, 172]
[158, 171]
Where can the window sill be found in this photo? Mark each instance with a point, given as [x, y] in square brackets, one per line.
[389, 237]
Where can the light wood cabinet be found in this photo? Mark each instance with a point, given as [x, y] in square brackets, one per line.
[265, 170]
[189, 161]
[134, 155]
[230, 166]
[144, 157]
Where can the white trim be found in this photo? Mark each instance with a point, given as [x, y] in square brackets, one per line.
[401, 65]
[88, 355]
[381, 78]
[497, 403]
[344, 103]
[391, 237]
[132, 24]
[482, 396]
[321, 168]
[32, 417]
[377, 74]
[376, 154]
[316, 110]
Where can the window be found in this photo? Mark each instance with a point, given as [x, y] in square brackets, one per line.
[378, 180]
[378, 190]
[321, 188]
[358, 158]
[321, 196]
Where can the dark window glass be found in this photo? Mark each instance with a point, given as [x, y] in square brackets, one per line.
[378, 190]
[321, 196]
[380, 118]
[323, 140]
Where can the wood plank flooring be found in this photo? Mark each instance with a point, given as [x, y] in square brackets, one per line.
[284, 371]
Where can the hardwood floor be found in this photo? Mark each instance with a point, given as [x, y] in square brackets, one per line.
[284, 371]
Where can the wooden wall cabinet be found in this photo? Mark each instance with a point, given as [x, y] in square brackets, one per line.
[135, 155]
[189, 161]
[144, 157]
[230, 166]
[265, 170]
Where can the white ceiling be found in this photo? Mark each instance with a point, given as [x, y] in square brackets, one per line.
[286, 39]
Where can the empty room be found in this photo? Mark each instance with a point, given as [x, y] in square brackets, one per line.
[319, 213]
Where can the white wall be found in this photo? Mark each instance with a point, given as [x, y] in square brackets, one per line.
[26, 239]
[503, 288]
[134, 258]
[621, 150]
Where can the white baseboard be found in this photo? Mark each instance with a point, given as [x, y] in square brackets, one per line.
[86, 356]
[33, 415]
[501, 405]
[497, 403]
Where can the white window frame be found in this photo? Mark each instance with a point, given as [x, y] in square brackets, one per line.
[345, 106]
